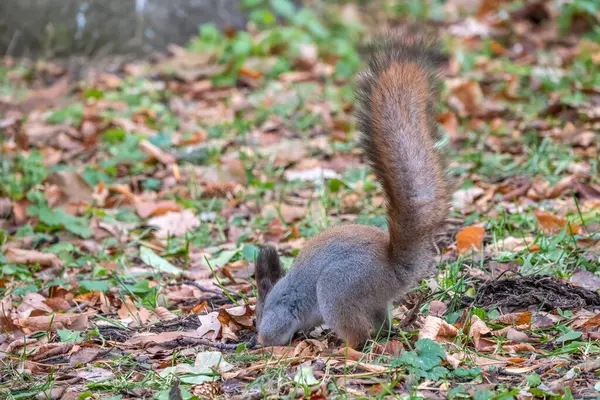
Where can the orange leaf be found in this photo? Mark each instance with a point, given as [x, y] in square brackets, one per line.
[250, 73]
[523, 318]
[551, 224]
[469, 237]
[594, 321]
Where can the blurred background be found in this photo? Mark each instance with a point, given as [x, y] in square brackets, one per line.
[100, 27]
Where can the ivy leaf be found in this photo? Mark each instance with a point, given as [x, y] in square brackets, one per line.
[430, 353]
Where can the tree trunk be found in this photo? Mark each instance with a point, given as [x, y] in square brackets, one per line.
[54, 28]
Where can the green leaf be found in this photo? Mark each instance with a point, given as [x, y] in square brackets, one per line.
[533, 380]
[69, 336]
[56, 218]
[284, 8]
[223, 258]
[430, 353]
[305, 377]
[95, 286]
[73, 114]
[567, 337]
[157, 262]
[250, 252]
[467, 372]
[482, 394]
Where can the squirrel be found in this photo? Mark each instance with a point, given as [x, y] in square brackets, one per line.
[347, 275]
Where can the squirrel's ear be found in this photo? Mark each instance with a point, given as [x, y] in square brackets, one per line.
[268, 270]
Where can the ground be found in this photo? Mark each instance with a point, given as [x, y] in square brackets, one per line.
[133, 198]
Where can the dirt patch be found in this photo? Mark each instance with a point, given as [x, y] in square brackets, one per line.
[545, 292]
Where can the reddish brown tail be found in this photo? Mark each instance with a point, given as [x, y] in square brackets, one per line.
[396, 96]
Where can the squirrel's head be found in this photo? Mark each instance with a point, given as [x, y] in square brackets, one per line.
[268, 273]
[276, 326]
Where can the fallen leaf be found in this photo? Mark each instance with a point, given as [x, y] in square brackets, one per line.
[174, 223]
[309, 347]
[437, 329]
[437, 308]
[551, 224]
[76, 322]
[157, 262]
[85, 355]
[517, 336]
[461, 199]
[21, 256]
[478, 329]
[466, 98]
[242, 315]
[210, 324]
[72, 186]
[586, 280]
[469, 238]
[147, 209]
[164, 314]
[288, 212]
[46, 97]
[31, 303]
[522, 318]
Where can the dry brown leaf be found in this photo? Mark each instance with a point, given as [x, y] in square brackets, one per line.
[586, 279]
[174, 223]
[85, 355]
[76, 322]
[242, 315]
[58, 304]
[450, 123]
[551, 224]
[156, 153]
[309, 347]
[348, 353]
[520, 318]
[478, 329]
[517, 336]
[437, 308]
[393, 347]
[164, 315]
[454, 362]
[50, 350]
[592, 322]
[437, 329]
[45, 97]
[466, 98]
[147, 209]
[22, 256]
[210, 324]
[288, 212]
[72, 186]
[33, 304]
[469, 238]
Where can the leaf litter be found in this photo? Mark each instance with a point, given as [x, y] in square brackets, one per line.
[132, 204]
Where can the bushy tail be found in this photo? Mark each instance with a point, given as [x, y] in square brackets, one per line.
[396, 96]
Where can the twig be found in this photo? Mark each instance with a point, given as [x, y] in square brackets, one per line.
[187, 341]
[196, 285]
